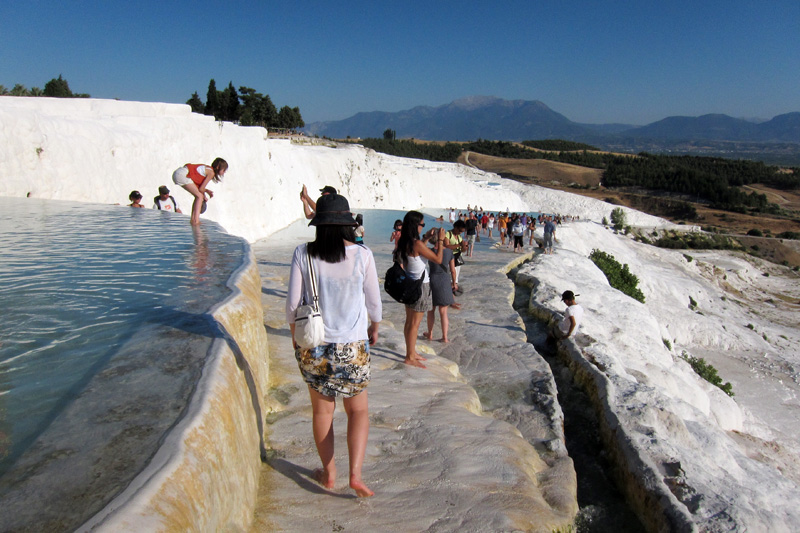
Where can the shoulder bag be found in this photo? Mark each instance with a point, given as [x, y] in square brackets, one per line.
[309, 330]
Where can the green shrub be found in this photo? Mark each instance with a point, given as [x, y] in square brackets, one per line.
[755, 233]
[619, 276]
[692, 304]
[697, 241]
[688, 258]
[667, 343]
[707, 372]
[618, 218]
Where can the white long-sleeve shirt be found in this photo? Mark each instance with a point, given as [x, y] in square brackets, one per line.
[349, 293]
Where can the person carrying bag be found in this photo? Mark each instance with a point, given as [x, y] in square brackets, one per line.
[336, 279]
[309, 329]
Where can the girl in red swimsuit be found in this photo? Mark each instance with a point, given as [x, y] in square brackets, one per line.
[195, 177]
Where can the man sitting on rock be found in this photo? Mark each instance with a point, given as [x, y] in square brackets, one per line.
[572, 318]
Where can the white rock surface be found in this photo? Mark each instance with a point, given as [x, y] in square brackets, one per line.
[100, 150]
[731, 463]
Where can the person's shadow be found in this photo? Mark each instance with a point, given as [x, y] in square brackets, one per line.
[304, 477]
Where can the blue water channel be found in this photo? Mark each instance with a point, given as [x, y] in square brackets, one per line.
[79, 281]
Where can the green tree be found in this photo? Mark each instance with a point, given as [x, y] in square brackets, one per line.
[618, 218]
[298, 118]
[257, 109]
[289, 118]
[389, 134]
[20, 90]
[229, 104]
[212, 99]
[3, 90]
[196, 104]
[58, 87]
[36, 91]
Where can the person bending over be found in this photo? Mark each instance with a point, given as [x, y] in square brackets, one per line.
[195, 178]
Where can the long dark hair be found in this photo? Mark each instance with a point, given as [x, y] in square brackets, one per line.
[408, 234]
[328, 245]
[218, 165]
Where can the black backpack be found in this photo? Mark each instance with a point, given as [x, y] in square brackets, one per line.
[174, 203]
[401, 287]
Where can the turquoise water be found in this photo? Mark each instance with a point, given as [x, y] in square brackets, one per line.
[80, 281]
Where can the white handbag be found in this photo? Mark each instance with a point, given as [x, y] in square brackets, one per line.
[309, 330]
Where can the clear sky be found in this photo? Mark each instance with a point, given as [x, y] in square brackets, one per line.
[594, 61]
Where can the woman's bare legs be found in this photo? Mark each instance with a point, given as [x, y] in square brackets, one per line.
[431, 320]
[322, 423]
[410, 331]
[198, 202]
[357, 409]
[445, 322]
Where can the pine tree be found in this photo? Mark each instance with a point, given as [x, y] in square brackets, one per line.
[212, 99]
[230, 104]
[58, 88]
[196, 104]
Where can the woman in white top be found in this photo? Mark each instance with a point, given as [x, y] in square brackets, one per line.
[413, 253]
[350, 304]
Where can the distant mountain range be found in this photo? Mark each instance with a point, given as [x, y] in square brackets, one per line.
[487, 117]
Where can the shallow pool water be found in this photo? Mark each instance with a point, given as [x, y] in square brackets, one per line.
[80, 281]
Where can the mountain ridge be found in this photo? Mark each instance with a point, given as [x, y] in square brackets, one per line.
[490, 117]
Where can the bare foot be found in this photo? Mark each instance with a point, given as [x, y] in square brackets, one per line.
[414, 362]
[418, 357]
[362, 491]
[455, 306]
[428, 335]
[445, 340]
[327, 481]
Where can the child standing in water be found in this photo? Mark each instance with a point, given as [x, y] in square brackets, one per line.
[195, 177]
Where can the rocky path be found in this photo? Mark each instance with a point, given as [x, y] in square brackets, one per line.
[473, 443]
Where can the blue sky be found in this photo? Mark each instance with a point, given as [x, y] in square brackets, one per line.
[593, 61]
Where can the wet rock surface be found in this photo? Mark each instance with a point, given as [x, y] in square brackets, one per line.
[474, 442]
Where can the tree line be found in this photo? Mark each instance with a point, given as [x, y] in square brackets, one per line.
[57, 88]
[246, 107]
[448, 152]
[559, 145]
[714, 180]
[572, 155]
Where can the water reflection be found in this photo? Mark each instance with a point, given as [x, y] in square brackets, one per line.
[77, 283]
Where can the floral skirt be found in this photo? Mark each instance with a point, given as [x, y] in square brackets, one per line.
[338, 370]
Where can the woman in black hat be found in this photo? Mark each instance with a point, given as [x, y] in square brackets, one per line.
[350, 304]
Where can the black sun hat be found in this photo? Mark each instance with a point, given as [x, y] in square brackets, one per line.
[568, 295]
[333, 210]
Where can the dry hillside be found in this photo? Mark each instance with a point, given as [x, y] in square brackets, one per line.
[565, 177]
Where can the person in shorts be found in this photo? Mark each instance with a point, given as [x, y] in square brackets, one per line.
[195, 178]
[413, 253]
[350, 304]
